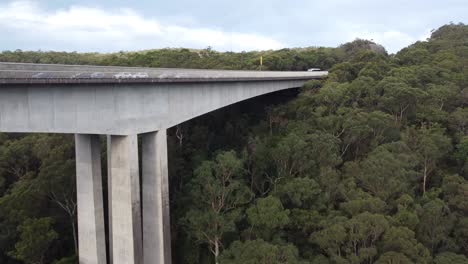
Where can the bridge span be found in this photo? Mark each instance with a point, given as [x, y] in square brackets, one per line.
[122, 103]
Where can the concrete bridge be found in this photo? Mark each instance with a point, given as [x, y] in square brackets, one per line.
[123, 102]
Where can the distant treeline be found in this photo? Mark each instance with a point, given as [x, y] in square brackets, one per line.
[299, 59]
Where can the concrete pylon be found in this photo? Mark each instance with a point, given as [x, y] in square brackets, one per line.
[155, 199]
[125, 203]
[91, 231]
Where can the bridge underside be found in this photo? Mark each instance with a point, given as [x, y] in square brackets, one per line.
[120, 109]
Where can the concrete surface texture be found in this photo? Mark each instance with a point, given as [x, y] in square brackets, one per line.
[26, 73]
[91, 230]
[125, 203]
[155, 196]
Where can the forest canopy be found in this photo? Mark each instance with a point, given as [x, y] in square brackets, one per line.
[367, 166]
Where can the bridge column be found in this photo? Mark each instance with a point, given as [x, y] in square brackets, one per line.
[91, 231]
[125, 203]
[155, 195]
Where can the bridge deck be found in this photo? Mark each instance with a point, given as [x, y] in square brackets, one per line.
[26, 73]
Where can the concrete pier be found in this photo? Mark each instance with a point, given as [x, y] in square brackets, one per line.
[155, 195]
[125, 203]
[91, 231]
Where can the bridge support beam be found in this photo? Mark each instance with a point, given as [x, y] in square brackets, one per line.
[91, 231]
[155, 195]
[125, 203]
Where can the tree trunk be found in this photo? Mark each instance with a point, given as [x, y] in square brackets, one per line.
[271, 125]
[75, 238]
[424, 177]
[216, 251]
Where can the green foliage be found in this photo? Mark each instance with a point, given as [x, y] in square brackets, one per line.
[435, 224]
[430, 145]
[461, 234]
[267, 216]
[393, 258]
[219, 192]
[354, 239]
[285, 59]
[259, 251]
[449, 257]
[299, 192]
[36, 236]
[402, 240]
[67, 260]
[387, 171]
[360, 205]
[406, 215]
[461, 155]
[312, 84]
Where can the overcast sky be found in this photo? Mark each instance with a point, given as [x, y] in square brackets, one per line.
[108, 26]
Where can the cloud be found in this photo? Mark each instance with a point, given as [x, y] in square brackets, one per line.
[84, 28]
[100, 25]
